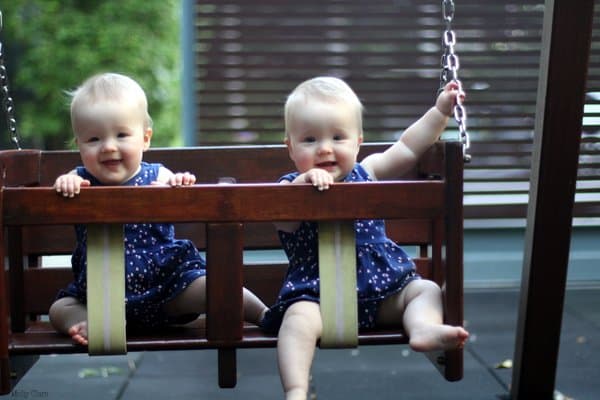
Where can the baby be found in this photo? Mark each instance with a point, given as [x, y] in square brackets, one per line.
[165, 277]
[323, 119]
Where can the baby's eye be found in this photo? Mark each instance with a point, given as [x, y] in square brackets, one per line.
[339, 136]
[122, 134]
[92, 139]
[309, 139]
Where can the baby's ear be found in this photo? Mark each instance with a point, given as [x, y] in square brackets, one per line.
[288, 144]
[147, 137]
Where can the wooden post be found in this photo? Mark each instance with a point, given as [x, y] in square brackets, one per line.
[4, 360]
[16, 278]
[561, 90]
[224, 301]
[453, 263]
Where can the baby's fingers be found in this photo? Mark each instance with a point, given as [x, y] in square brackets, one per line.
[67, 187]
[322, 181]
[182, 179]
[456, 90]
[187, 179]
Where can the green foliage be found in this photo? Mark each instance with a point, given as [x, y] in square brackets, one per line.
[52, 46]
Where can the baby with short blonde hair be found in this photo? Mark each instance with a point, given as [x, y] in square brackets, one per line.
[165, 277]
[323, 119]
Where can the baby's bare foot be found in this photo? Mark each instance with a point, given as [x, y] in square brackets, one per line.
[79, 333]
[438, 337]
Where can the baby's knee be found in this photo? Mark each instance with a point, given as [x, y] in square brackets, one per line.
[61, 304]
[304, 315]
[65, 311]
[424, 287]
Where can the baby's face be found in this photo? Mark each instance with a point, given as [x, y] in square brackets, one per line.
[326, 135]
[111, 137]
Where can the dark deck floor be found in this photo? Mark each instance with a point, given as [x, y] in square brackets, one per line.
[376, 372]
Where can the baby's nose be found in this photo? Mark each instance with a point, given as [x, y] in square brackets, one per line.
[109, 145]
[325, 146]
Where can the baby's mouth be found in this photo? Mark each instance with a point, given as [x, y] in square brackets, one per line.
[327, 164]
[109, 163]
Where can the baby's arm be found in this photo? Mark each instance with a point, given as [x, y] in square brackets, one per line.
[167, 177]
[69, 184]
[415, 140]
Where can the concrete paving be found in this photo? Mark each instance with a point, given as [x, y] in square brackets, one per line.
[374, 372]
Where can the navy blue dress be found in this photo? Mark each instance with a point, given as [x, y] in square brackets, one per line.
[383, 268]
[158, 266]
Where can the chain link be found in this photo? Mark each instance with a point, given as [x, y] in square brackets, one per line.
[450, 65]
[7, 101]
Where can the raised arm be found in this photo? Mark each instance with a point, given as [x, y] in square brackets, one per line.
[415, 140]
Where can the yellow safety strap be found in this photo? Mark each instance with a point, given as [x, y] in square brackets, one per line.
[106, 289]
[337, 272]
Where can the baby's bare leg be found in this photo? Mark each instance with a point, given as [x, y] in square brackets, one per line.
[69, 316]
[193, 300]
[300, 329]
[254, 308]
[420, 307]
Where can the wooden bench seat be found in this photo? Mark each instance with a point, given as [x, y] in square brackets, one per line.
[423, 213]
[41, 339]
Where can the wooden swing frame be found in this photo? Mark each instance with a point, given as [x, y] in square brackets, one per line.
[425, 210]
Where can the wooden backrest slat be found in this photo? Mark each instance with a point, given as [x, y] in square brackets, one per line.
[225, 203]
[20, 167]
[60, 239]
[41, 287]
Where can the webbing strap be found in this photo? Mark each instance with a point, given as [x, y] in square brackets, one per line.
[337, 272]
[106, 289]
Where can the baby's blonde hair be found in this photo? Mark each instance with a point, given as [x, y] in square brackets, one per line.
[325, 88]
[110, 86]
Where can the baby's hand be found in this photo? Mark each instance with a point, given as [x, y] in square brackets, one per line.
[448, 98]
[319, 178]
[69, 184]
[182, 179]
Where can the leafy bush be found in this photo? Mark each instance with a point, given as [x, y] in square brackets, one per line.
[51, 46]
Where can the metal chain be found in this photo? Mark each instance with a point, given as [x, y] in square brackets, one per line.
[7, 101]
[450, 66]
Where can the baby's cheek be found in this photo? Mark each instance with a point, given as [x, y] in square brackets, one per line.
[303, 164]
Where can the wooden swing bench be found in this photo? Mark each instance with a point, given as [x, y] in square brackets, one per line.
[424, 212]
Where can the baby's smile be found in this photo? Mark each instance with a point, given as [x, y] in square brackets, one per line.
[326, 164]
